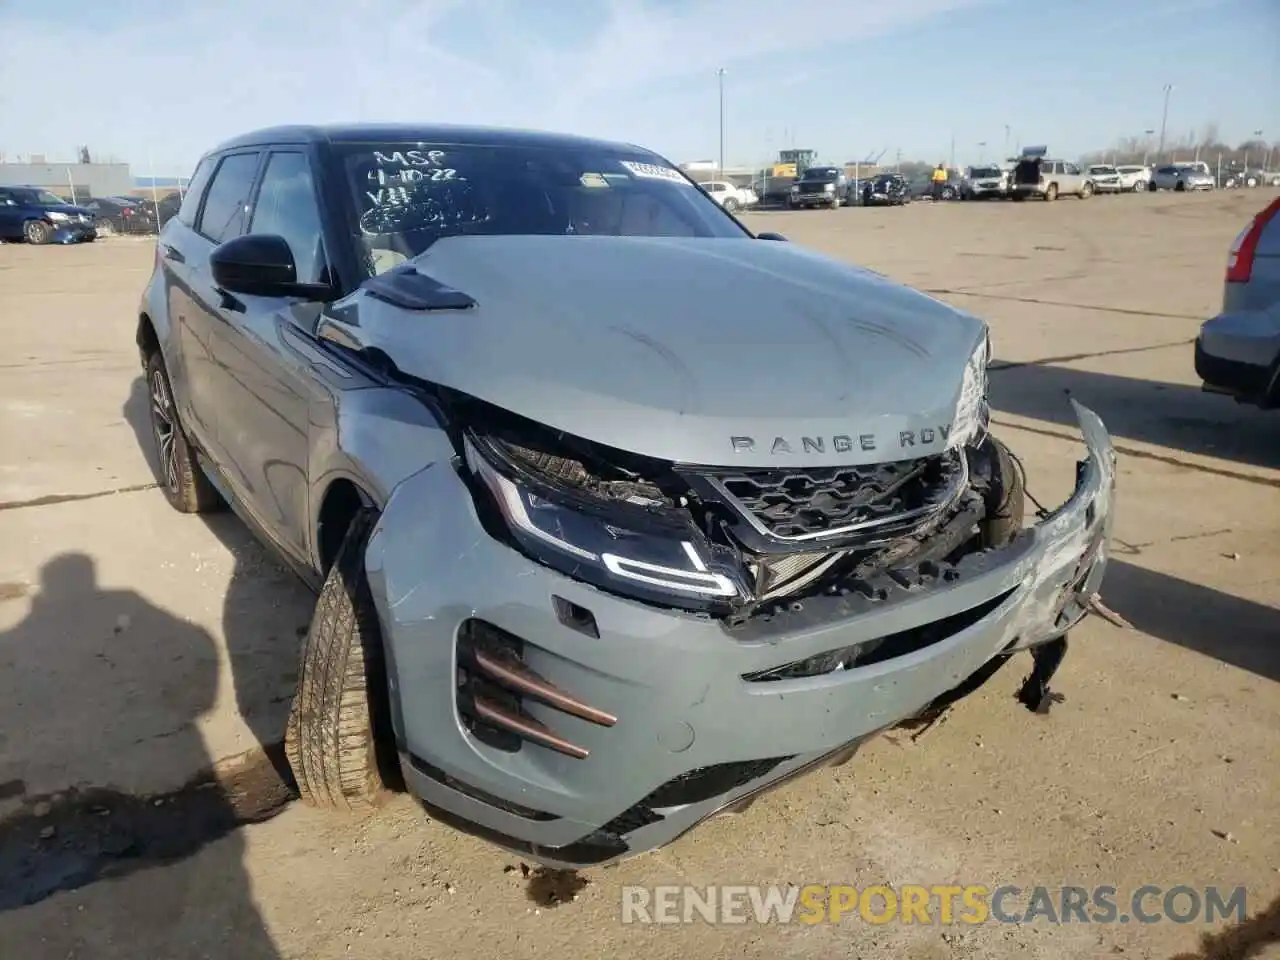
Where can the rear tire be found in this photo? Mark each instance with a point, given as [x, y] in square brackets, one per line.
[1086, 191]
[338, 731]
[731, 205]
[1180, 187]
[180, 477]
[1051, 193]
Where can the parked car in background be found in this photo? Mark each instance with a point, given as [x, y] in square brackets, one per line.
[820, 187]
[1182, 176]
[542, 570]
[984, 183]
[729, 195]
[39, 216]
[1238, 351]
[885, 189]
[1134, 177]
[1038, 175]
[119, 215]
[168, 207]
[1105, 178]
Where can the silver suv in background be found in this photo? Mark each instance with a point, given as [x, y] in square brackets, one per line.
[1105, 178]
[1182, 176]
[1238, 351]
[984, 183]
[1036, 175]
[1134, 177]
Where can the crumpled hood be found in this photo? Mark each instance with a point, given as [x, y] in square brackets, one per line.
[702, 351]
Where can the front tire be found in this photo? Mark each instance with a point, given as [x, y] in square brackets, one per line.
[1086, 191]
[1051, 192]
[181, 480]
[337, 731]
[731, 205]
[37, 232]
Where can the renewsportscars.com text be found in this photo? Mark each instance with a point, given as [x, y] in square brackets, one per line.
[930, 905]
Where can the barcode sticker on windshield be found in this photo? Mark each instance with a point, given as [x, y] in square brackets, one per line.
[652, 171]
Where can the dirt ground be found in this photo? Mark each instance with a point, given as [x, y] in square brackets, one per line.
[139, 647]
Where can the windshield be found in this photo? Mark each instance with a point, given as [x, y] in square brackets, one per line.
[984, 172]
[1102, 169]
[41, 198]
[821, 173]
[408, 195]
[1128, 169]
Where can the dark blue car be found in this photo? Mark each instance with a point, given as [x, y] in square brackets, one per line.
[38, 216]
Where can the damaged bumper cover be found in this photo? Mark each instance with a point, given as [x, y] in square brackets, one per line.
[639, 722]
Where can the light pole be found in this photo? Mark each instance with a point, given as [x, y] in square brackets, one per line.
[720, 75]
[1006, 141]
[982, 150]
[1266, 166]
[1164, 119]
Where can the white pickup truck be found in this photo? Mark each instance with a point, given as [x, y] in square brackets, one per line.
[728, 195]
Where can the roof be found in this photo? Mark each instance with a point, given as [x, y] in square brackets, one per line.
[415, 132]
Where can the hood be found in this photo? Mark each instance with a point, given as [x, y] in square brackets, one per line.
[69, 209]
[701, 351]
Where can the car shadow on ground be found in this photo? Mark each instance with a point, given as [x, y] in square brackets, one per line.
[1240, 632]
[265, 613]
[84, 645]
[1174, 415]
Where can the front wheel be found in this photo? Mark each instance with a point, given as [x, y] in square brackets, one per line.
[1086, 191]
[731, 205]
[1051, 193]
[37, 232]
[337, 734]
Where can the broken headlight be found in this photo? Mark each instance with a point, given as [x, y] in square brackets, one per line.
[971, 417]
[619, 546]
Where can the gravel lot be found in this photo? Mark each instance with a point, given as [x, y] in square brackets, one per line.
[138, 648]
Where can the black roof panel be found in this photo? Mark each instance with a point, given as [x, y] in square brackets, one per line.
[413, 132]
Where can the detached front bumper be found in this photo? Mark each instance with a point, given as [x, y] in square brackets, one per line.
[695, 728]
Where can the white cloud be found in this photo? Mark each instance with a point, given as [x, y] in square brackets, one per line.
[174, 86]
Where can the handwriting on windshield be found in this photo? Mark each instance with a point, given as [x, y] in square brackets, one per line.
[398, 172]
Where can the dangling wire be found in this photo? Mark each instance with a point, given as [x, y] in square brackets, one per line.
[1041, 512]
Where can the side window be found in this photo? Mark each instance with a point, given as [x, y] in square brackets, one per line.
[195, 191]
[226, 203]
[286, 206]
[1071, 168]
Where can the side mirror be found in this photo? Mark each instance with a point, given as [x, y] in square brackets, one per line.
[771, 236]
[261, 265]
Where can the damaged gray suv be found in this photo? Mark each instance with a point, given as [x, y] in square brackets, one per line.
[618, 514]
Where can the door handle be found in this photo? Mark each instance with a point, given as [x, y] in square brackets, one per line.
[227, 302]
[172, 253]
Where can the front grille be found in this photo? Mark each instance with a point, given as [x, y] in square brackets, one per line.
[808, 504]
[704, 783]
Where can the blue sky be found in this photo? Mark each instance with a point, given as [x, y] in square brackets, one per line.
[167, 79]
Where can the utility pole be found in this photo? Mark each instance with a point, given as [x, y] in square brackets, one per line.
[1146, 148]
[982, 151]
[1164, 119]
[953, 150]
[1006, 143]
[720, 74]
[897, 162]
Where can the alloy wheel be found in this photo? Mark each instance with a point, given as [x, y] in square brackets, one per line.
[164, 425]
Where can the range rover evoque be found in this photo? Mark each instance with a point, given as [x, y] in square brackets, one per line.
[618, 514]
